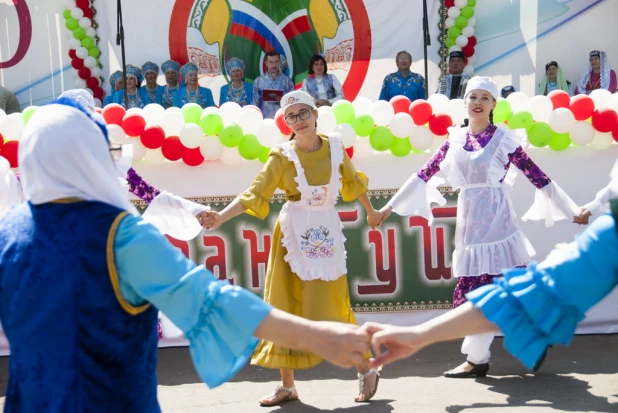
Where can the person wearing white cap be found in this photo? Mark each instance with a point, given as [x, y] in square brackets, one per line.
[306, 273]
[475, 160]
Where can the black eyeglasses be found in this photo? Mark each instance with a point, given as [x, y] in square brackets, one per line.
[302, 115]
[115, 151]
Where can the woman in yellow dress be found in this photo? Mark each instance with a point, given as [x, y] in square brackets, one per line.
[306, 273]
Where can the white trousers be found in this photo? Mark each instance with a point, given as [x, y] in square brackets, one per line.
[477, 347]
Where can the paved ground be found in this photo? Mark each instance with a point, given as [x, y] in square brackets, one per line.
[582, 378]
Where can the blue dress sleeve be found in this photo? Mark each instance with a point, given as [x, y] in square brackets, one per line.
[107, 100]
[177, 100]
[209, 101]
[159, 95]
[217, 318]
[249, 92]
[541, 305]
[223, 94]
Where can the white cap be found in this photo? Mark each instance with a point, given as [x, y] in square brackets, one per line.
[81, 96]
[297, 96]
[483, 83]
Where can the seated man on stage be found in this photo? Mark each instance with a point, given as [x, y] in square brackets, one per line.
[454, 84]
[403, 81]
[269, 88]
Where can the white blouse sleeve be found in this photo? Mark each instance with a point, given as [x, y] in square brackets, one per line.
[174, 216]
[338, 90]
[551, 204]
[416, 196]
[600, 204]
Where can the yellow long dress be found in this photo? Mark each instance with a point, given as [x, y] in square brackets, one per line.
[314, 300]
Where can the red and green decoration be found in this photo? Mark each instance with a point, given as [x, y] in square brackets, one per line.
[84, 52]
[458, 26]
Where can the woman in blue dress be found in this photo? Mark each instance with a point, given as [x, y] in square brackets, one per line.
[117, 83]
[191, 91]
[151, 92]
[237, 90]
[170, 69]
[134, 81]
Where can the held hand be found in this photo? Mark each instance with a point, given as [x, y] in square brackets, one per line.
[400, 342]
[343, 345]
[582, 218]
[210, 219]
[386, 212]
[374, 219]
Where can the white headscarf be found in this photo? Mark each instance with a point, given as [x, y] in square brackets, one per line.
[605, 75]
[64, 153]
[10, 189]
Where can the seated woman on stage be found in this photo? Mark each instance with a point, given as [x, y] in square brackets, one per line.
[237, 90]
[191, 91]
[599, 75]
[117, 83]
[134, 81]
[170, 69]
[151, 91]
[554, 80]
[324, 88]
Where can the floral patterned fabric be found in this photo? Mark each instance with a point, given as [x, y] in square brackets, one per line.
[467, 284]
[140, 188]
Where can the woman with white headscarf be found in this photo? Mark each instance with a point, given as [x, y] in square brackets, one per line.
[81, 273]
[599, 75]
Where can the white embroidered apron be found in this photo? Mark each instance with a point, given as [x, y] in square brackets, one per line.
[312, 230]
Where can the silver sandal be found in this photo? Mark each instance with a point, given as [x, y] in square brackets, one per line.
[361, 383]
[292, 396]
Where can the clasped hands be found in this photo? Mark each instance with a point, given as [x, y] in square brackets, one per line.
[582, 218]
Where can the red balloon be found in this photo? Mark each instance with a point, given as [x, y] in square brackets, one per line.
[582, 106]
[449, 3]
[439, 124]
[98, 92]
[72, 54]
[153, 137]
[471, 41]
[172, 148]
[77, 63]
[113, 114]
[84, 73]
[350, 152]
[9, 152]
[468, 50]
[605, 120]
[283, 126]
[400, 103]
[421, 111]
[560, 99]
[92, 83]
[133, 124]
[88, 12]
[83, 4]
[192, 157]
[615, 134]
[1, 140]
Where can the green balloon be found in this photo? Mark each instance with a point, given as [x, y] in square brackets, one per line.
[502, 111]
[250, 147]
[467, 11]
[88, 42]
[67, 14]
[94, 51]
[211, 123]
[540, 134]
[560, 141]
[264, 154]
[231, 135]
[363, 125]
[343, 111]
[28, 112]
[449, 42]
[71, 23]
[461, 21]
[401, 147]
[381, 139]
[521, 120]
[454, 32]
[191, 112]
[79, 33]
[471, 3]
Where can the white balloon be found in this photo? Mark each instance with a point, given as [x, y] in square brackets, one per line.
[230, 157]
[210, 109]
[90, 62]
[139, 150]
[2, 114]
[326, 122]
[518, 101]
[77, 13]
[382, 112]
[602, 141]
[469, 70]
[116, 135]
[137, 111]
[561, 120]
[454, 12]
[449, 22]
[456, 109]
[250, 120]
[363, 149]
[468, 31]
[91, 31]
[5, 166]
[582, 133]
[461, 41]
[439, 103]
[69, 4]
[11, 127]
[348, 135]
[401, 125]
[472, 21]
[602, 98]
[421, 138]
[230, 112]
[172, 122]
[74, 43]
[454, 49]
[614, 101]
[85, 23]
[472, 59]
[79, 83]
[362, 106]
[191, 135]
[540, 107]
[269, 135]
[212, 148]
[81, 52]
[461, 3]
[69, 34]
[153, 113]
[154, 156]
[98, 103]
[89, 91]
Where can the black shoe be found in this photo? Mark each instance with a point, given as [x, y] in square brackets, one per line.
[541, 360]
[478, 370]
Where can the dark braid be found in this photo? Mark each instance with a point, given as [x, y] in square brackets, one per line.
[491, 116]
